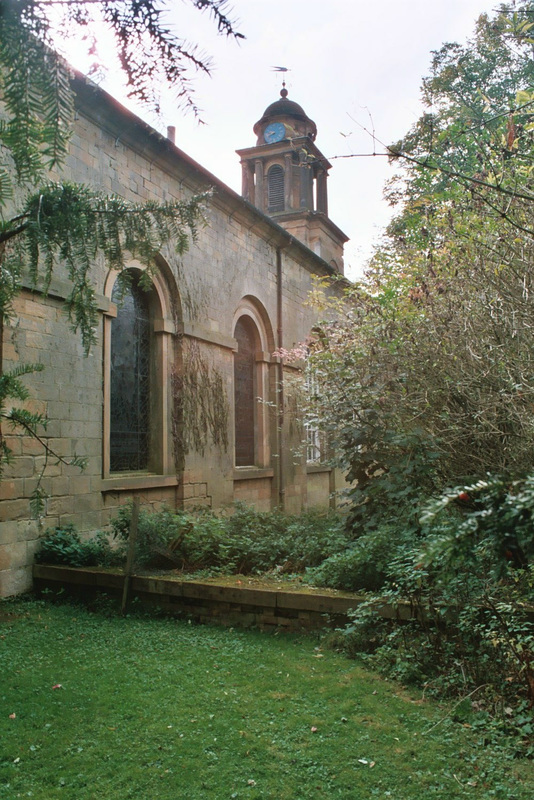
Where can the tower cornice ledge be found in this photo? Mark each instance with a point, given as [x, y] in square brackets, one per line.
[311, 217]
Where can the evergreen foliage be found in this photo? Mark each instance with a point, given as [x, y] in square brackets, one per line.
[246, 541]
[424, 381]
[44, 224]
[424, 378]
[63, 545]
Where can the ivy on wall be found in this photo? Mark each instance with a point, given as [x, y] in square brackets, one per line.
[200, 405]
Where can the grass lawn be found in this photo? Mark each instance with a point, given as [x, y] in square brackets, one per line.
[99, 706]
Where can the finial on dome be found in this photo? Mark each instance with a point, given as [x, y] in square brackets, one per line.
[283, 90]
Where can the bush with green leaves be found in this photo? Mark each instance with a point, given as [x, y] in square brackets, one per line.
[470, 589]
[63, 545]
[491, 518]
[364, 565]
[263, 540]
[469, 637]
[244, 541]
[173, 538]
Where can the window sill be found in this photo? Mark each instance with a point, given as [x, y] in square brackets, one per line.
[314, 467]
[129, 482]
[251, 473]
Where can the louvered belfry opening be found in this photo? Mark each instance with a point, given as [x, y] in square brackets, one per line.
[130, 380]
[275, 188]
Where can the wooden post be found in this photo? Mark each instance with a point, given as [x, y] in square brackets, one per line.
[132, 541]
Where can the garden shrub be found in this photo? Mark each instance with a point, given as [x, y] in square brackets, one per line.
[472, 638]
[63, 545]
[467, 579]
[260, 541]
[245, 541]
[180, 538]
[364, 564]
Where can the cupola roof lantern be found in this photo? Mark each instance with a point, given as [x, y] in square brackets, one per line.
[289, 110]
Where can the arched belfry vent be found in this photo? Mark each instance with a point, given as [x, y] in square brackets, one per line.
[285, 176]
[275, 188]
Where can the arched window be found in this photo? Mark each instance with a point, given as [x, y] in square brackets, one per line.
[129, 448]
[245, 392]
[275, 188]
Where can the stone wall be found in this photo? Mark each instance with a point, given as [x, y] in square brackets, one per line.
[242, 263]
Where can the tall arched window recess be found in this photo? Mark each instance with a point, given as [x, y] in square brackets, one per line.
[252, 389]
[130, 379]
[138, 352]
[275, 188]
[245, 390]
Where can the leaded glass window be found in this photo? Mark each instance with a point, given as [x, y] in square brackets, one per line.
[275, 188]
[130, 380]
[244, 388]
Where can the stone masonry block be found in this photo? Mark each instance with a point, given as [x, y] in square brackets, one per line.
[22, 467]
[70, 429]
[11, 353]
[32, 546]
[49, 521]
[92, 429]
[88, 521]
[11, 489]
[13, 509]
[15, 581]
[60, 505]
[87, 447]
[198, 501]
[60, 485]
[14, 443]
[87, 502]
[29, 529]
[8, 530]
[53, 428]
[13, 556]
[31, 446]
[52, 469]
[38, 341]
[30, 485]
[60, 446]
[79, 484]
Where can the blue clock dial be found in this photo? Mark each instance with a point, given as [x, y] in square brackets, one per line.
[274, 132]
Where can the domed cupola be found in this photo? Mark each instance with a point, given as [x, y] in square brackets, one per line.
[285, 176]
[285, 119]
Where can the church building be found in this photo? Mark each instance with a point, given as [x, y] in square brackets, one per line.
[183, 399]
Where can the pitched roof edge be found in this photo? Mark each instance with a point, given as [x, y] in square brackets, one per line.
[108, 113]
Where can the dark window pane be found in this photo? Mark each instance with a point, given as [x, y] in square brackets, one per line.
[244, 364]
[130, 381]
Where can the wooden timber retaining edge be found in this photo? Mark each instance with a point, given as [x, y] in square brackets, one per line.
[236, 605]
[209, 602]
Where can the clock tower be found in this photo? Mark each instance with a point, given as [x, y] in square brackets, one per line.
[285, 176]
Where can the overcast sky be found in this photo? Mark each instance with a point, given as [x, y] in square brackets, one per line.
[353, 64]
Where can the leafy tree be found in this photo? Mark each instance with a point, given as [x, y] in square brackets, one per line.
[476, 132]
[424, 380]
[42, 223]
[427, 372]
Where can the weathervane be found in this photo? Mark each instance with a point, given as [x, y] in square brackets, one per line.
[282, 69]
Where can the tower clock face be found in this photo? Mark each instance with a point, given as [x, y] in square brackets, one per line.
[274, 132]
